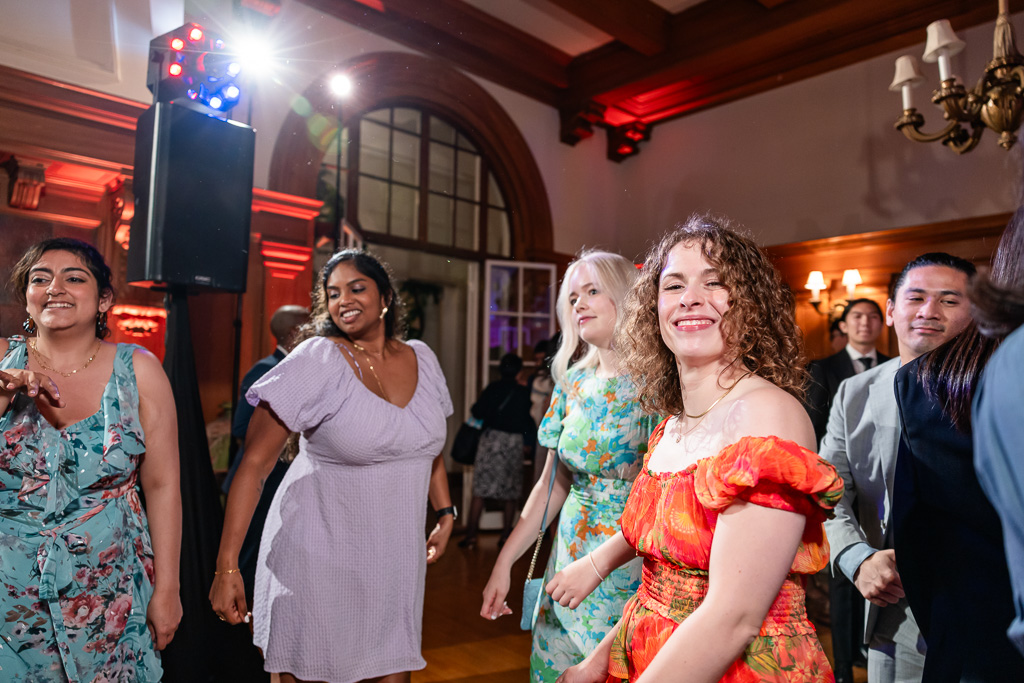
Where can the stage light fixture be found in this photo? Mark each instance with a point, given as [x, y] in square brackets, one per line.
[191, 65]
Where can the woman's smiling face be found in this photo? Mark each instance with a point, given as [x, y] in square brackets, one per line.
[691, 304]
[62, 292]
[593, 311]
[353, 300]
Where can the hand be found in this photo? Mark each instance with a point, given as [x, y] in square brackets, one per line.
[495, 593]
[587, 671]
[877, 579]
[31, 384]
[163, 617]
[438, 539]
[573, 584]
[227, 595]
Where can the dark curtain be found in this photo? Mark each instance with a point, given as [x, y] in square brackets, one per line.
[204, 648]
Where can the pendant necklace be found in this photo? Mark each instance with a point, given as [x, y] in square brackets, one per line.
[44, 366]
[369, 361]
[700, 416]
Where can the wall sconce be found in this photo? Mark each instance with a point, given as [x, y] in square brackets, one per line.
[851, 278]
[816, 282]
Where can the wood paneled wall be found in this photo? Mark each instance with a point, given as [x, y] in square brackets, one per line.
[878, 256]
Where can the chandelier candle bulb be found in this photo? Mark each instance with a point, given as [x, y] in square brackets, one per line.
[908, 75]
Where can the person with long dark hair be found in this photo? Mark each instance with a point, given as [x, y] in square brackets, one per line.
[342, 561]
[948, 537]
[727, 510]
[89, 428]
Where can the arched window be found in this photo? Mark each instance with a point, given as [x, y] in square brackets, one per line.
[411, 178]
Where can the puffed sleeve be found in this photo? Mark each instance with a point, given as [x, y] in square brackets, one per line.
[551, 426]
[770, 472]
[309, 385]
[433, 376]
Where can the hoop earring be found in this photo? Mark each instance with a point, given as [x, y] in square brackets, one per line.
[383, 313]
[101, 325]
[29, 325]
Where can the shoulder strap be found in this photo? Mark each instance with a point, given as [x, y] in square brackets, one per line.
[348, 352]
[543, 521]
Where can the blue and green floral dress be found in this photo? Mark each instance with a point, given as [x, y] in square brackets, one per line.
[601, 435]
[76, 561]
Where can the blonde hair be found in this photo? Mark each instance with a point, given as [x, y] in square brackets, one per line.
[613, 275]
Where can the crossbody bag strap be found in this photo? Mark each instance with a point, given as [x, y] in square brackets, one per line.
[543, 521]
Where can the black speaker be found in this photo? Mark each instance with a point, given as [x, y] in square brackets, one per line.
[193, 200]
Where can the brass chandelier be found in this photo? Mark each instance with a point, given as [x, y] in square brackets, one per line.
[996, 102]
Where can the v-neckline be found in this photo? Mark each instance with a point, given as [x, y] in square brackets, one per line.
[415, 391]
[106, 387]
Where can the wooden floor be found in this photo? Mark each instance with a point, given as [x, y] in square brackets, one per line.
[460, 646]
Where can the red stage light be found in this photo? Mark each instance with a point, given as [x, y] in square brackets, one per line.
[195, 34]
[174, 69]
[624, 149]
[177, 44]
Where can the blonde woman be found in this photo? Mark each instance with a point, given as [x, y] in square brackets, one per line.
[597, 436]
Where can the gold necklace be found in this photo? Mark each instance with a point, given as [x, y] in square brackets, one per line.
[700, 417]
[369, 361]
[44, 366]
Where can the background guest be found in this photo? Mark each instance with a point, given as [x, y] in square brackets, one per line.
[541, 385]
[928, 306]
[91, 576]
[597, 436]
[837, 339]
[345, 529]
[727, 511]
[940, 515]
[509, 434]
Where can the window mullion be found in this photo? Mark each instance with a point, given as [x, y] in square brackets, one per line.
[424, 207]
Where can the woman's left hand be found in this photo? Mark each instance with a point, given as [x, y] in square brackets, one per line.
[573, 584]
[163, 617]
[438, 539]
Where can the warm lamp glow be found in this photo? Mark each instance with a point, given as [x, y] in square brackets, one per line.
[851, 278]
[341, 85]
[816, 283]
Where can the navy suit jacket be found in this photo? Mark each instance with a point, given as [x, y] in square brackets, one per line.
[949, 546]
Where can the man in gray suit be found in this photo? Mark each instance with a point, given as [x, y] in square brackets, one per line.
[928, 306]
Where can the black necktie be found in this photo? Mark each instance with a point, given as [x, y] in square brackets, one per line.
[867, 362]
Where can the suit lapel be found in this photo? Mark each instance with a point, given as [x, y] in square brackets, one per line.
[885, 413]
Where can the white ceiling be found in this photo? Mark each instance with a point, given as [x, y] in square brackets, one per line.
[556, 26]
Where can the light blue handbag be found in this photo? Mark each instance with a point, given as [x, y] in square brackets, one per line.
[533, 587]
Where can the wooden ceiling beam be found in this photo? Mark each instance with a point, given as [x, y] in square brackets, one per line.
[639, 24]
[728, 49]
[471, 39]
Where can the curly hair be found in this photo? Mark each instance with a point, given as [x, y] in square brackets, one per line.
[759, 328]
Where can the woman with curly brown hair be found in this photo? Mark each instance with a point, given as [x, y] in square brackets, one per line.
[711, 342]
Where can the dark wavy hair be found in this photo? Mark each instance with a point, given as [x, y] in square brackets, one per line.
[949, 374]
[759, 328]
[321, 324]
[87, 253]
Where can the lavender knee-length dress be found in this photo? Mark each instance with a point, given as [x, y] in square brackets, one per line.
[339, 584]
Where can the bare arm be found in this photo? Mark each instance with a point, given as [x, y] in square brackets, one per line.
[263, 443]
[573, 584]
[594, 667]
[751, 555]
[439, 498]
[159, 476]
[524, 535]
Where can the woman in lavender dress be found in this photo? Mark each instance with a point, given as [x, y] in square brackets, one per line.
[340, 578]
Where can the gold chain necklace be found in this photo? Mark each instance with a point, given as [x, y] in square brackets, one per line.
[700, 417]
[369, 361]
[44, 366]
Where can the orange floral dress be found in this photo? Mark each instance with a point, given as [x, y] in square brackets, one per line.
[670, 519]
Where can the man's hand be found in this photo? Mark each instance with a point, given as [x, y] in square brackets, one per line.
[877, 579]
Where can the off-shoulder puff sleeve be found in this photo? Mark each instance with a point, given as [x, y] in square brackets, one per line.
[310, 384]
[770, 472]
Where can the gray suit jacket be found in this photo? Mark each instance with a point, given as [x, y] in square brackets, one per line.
[861, 441]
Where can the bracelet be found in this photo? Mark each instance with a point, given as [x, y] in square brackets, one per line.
[227, 571]
[591, 558]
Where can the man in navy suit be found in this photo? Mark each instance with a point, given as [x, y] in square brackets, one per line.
[861, 322]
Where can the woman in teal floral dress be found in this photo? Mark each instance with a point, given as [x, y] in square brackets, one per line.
[89, 594]
[597, 438]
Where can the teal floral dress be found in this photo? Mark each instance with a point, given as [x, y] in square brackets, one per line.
[76, 561]
[600, 434]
